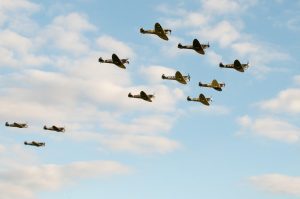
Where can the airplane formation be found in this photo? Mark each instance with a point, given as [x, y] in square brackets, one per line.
[183, 79]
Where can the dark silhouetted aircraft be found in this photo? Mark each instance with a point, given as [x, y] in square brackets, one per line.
[204, 100]
[115, 60]
[199, 48]
[143, 96]
[214, 84]
[178, 77]
[236, 65]
[158, 30]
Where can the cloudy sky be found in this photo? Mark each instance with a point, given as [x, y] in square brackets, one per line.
[245, 145]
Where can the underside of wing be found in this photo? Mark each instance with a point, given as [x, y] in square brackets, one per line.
[215, 84]
[238, 66]
[144, 96]
[117, 61]
[180, 78]
[203, 99]
[197, 47]
[160, 31]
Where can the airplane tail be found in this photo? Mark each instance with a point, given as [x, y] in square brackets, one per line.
[163, 76]
[189, 77]
[130, 95]
[179, 45]
[25, 143]
[200, 84]
[189, 98]
[100, 60]
[6, 124]
[142, 30]
[45, 127]
[208, 45]
[221, 65]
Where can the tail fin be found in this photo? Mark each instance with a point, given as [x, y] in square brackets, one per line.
[221, 65]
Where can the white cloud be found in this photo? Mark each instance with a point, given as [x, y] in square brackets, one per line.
[227, 6]
[297, 79]
[278, 183]
[270, 128]
[29, 180]
[113, 45]
[141, 144]
[287, 101]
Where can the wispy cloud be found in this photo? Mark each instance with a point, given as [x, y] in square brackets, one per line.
[278, 183]
[270, 128]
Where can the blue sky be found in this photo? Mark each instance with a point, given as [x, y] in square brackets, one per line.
[245, 145]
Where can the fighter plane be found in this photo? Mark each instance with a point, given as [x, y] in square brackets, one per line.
[17, 125]
[204, 100]
[34, 143]
[158, 30]
[115, 60]
[236, 65]
[55, 128]
[199, 48]
[143, 96]
[178, 77]
[214, 84]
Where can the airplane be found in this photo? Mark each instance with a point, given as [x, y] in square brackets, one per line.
[214, 84]
[199, 48]
[17, 125]
[55, 128]
[143, 96]
[204, 100]
[158, 30]
[115, 60]
[236, 65]
[34, 143]
[178, 77]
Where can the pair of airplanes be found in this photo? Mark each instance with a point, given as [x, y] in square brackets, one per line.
[163, 34]
[148, 97]
[34, 143]
[24, 125]
[184, 79]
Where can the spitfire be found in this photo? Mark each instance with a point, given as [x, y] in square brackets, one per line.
[178, 77]
[214, 84]
[204, 100]
[115, 60]
[55, 128]
[236, 65]
[143, 96]
[196, 46]
[158, 30]
[17, 125]
[34, 143]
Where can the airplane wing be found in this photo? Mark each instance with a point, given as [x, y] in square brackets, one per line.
[144, 96]
[117, 61]
[197, 47]
[160, 31]
[215, 84]
[180, 78]
[203, 99]
[238, 66]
